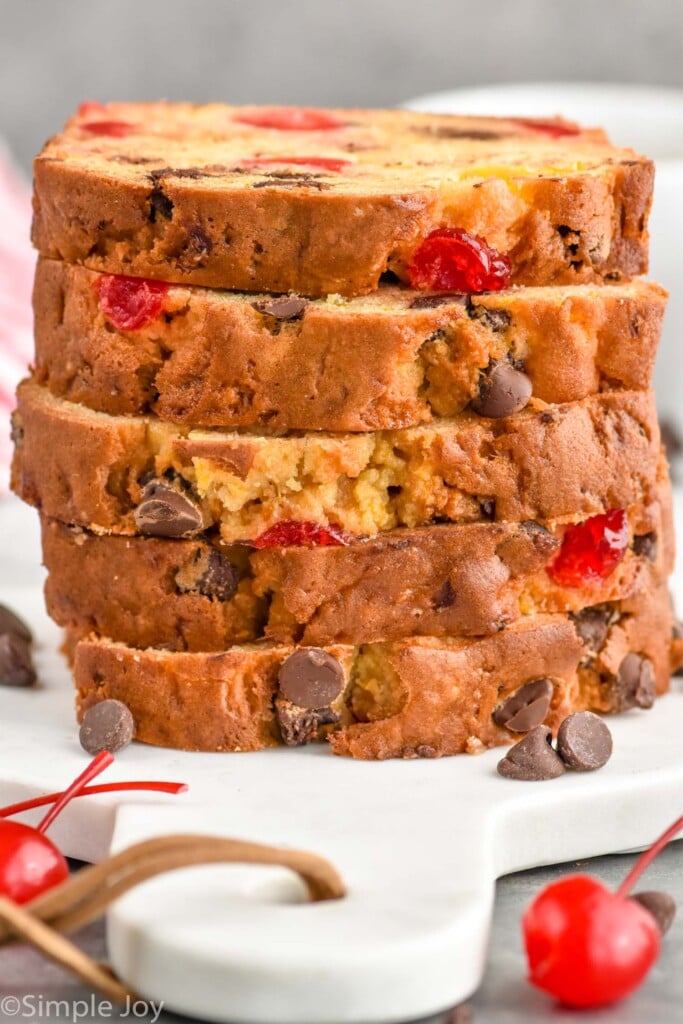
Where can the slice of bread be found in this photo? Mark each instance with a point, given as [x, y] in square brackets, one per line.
[213, 358]
[411, 698]
[435, 581]
[545, 462]
[203, 195]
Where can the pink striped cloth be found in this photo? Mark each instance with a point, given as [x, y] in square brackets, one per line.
[17, 264]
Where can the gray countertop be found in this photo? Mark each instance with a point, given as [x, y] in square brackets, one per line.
[504, 997]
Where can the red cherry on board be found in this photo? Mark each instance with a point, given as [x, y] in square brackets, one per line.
[30, 863]
[588, 946]
[453, 260]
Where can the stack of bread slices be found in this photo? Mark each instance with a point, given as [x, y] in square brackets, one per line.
[341, 425]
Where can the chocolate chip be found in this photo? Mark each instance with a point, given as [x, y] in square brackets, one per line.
[503, 390]
[661, 905]
[210, 574]
[533, 758]
[298, 725]
[11, 623]
[16, 667]
[311, 678]
[444, 597]
[432, 301]
[645, 545]
[592, 626]
[526, 707]
[584, 742]
[107, 725]
[159, 205]
[635, 683]
[677, 629]
[165, 511]
[287, 307]
[488, 508]
[497, 320]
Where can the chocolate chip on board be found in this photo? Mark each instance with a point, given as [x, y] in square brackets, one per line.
[167, 512]
[299, 726]
[592, 626]
[503, 390]
[11, 623]
[533, 759]
[526, 707]
[285, 307]
[16, 667]
[635, 682]
[584, 742]
[311, 678]
[661, 905]
[108, 725]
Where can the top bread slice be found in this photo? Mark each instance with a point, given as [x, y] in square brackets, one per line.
[215, 195]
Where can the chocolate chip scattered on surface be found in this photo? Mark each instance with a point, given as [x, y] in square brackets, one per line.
[584, 742]
[108, 725]
[11, 623]
[533, 759]
[16, 666]
[661, 905]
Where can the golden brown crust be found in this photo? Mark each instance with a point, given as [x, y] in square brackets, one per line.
[436, 696]
[211, 359]
[172, 200]
[567, 461]
[436, 581]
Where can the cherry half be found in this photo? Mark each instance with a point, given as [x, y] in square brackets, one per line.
[555, 129]
[326, 163]
[588, 946]
[453, 260]
[114, 129]
[30, 863]
[292, 533]
[591, 550]
[291, 119]
[130, 303]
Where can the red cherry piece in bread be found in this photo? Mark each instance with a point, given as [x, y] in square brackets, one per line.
[88, 108]
[591, 550]
[114, 129]
[555, 129]
[325, 163]
[30, 863]
[291, 119]
[452, 260]
[588, 946]
[291, 533]
[130, 303]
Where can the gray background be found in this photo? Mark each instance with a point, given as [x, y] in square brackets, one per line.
[54, 53]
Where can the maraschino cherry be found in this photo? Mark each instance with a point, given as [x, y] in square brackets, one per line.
[293, 533]
[588, 946]
[30, 863]
[453, 260]
[130, 303]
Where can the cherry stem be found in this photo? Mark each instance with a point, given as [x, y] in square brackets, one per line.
[95, 768]
[646, 858]
[107, 787]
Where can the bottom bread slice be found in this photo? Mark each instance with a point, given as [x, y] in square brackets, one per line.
[423, 697]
